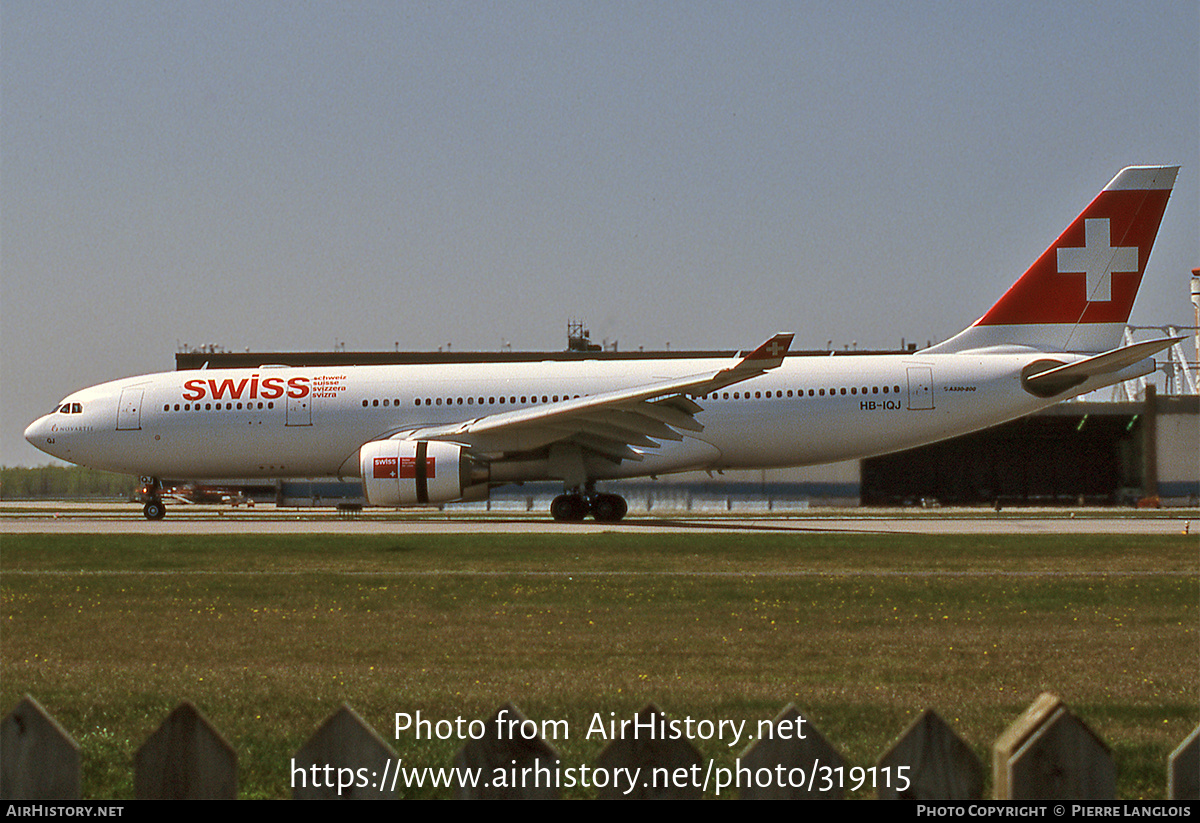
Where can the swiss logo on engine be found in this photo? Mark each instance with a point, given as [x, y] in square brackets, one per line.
[386, 467]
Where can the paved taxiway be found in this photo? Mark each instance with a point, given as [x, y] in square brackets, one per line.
[67, 518]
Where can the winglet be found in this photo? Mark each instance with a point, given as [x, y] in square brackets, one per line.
[770, 354]
[766, 357]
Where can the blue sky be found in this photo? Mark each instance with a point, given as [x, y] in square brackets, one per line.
[282, 176]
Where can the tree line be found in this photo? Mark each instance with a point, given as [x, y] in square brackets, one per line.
[59, 482]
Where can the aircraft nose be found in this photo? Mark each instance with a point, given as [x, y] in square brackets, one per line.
[38, 433]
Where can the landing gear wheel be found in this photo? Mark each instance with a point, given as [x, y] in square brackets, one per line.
[154, 510]
[609, 508]
[569, 507]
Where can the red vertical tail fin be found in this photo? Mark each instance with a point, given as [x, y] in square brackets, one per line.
[1077, 296]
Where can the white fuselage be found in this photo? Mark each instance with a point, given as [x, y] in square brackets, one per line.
[310, 422]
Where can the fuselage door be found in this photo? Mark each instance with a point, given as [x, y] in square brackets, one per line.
[299, 411]
[129, 413]
[920, 388]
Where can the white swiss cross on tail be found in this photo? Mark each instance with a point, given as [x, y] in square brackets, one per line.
[1098, 259]
[1053, 308]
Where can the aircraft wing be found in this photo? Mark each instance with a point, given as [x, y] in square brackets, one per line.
[612, 424]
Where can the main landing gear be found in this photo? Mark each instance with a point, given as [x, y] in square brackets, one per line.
[575, 505]
[150, 492]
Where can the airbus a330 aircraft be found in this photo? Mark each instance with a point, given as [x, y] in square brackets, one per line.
[436, 433]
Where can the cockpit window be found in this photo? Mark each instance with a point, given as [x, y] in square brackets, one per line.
[76, 408]
[70, 408]
[65, 408]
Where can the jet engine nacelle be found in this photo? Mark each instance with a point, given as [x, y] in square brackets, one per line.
[416, 472]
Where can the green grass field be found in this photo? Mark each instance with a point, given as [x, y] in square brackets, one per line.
[269, 635]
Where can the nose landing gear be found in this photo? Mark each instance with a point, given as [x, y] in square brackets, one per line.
[150, 493]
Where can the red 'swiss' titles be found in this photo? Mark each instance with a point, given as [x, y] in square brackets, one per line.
[272, 388]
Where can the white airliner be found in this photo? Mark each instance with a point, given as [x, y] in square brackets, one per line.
[435, 433]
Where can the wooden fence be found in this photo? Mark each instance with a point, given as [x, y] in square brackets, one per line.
[1047, 753]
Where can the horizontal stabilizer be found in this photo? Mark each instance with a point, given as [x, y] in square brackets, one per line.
[1060, 378]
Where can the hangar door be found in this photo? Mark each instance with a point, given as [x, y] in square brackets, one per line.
[1041, 459]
